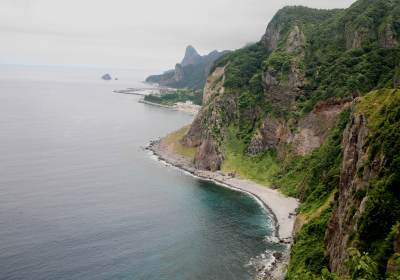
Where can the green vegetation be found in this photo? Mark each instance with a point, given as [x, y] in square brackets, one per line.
[180, 96]
[382, 212]
[308, 249]
[194, 75]
[173, 142]
[157, 78]
[360, 266]
[260, 168]
[332, 64]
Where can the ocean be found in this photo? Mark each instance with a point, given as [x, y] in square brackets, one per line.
[81, 199]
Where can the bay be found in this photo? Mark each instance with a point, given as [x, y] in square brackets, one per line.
[81, 199]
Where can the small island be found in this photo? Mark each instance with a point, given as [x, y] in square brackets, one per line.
[106, 77]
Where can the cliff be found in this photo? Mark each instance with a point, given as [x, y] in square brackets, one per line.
[308, 110]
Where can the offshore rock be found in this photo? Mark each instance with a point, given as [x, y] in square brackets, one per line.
[106, 77]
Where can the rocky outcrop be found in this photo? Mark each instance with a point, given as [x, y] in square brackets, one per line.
[179, 74]
[305, 136]
[396, 244]
[283, 92]
[295, 40]
[271, 37]
[208, 130]
[213, 87]
[191, 56]
[273, 133]
[396, 78]
[210, 155]
[343, 221]
[106, 77]
[386, 38]
[207, 157]
[355, 38]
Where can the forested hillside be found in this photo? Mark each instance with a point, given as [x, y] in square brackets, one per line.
[313, 110]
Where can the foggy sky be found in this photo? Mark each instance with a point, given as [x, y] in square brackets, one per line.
[131, 34]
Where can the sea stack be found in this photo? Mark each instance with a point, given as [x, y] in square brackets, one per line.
[106, 77]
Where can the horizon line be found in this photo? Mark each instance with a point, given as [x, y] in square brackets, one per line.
[79, 67]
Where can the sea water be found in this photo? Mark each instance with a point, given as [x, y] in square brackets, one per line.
[81, 199]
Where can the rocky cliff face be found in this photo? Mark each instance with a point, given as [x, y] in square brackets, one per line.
[208, 130]
[355, 38]
[281, 87]
[295, 40]
[271, 37]
[191, 56]
[348, 208]
[396, 78]
[214, 84]
[178, 75]
[386, 38]
[284, 92]
[397, 241]
[305, 136]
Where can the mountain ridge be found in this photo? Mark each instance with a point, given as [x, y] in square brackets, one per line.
[192, 72]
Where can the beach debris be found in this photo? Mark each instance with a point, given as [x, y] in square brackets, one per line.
[276, 240]
[292, 215]
[233, 174]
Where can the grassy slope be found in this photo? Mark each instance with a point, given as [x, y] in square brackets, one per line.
[178, 147]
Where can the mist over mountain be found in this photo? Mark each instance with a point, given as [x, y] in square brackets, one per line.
[192, 72]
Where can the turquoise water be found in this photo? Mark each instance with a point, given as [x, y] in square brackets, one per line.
[80, 199]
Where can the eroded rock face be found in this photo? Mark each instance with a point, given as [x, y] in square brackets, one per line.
[177, 76]
[296, 38]
[309, 134]
[178, 72]
[190, 57]
[386, 39]
[271, 134]
[210, 88]
[355, 38]
[283, 92]
[206, 155]
[396, 78]
[208, 130]
[340, 224]
[271, 37]
[397, 241]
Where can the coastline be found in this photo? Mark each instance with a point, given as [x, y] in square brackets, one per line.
[191, 110]
[281, 209]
